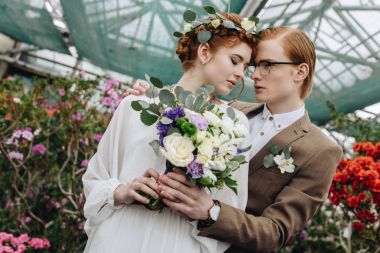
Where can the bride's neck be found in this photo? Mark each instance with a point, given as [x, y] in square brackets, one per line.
[191, 80]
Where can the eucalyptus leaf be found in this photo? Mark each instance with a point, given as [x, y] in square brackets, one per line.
[232, 184]
[166, 120]
[196, 23]
[238, 158]
[178, 34]
[178, 90]
[210, 88]
[136, 106]
[233, 165]
[205, 181]
[268, 161]
[183, 96]
[231, 113]
[155, 146]
[223, 174]
[166, 97]
[156, 82]
[148, 118]
[274, 149]
[229, 24]
[209, 9]
[152, 92]
[254, 19]
[204, 36]
[143, 104]
[153, 109]
[173, 130]
[199, 102]
[242, 150]
[189, 16]
[286, 152]
[189, 102]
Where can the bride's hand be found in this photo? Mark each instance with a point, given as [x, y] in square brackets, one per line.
[139, 88]
[127, 194]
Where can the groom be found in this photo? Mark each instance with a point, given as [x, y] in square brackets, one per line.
[281, 197]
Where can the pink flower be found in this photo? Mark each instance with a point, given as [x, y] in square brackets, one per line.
[25, 219]
[16, 100]
[27, 134]
[84, 163]
[61, 91]
[17, 133]
[16, 155]
[97, 137]
[38, 243]
[39, 149]
[77, 117]
[107, 101]
[81, 226]
[10, 204]
[37, 131]
[85, 141]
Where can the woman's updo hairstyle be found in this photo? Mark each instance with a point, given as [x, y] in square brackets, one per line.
[221, 36]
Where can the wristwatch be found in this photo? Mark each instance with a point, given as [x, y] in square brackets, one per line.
[213, 215]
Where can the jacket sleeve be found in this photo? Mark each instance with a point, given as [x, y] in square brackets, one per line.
[292, 208]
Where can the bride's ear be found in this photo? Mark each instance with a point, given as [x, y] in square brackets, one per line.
[204, 53]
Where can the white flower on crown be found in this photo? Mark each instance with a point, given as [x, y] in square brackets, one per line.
[187, 27]
[215, 23]
[247, 24]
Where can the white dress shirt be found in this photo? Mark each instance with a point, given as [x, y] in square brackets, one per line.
[265, 125]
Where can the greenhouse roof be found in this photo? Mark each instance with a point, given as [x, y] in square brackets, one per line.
[135, 37]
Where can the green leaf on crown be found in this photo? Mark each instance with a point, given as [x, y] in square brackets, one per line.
[209, 9]
[189, 16]
[177, 34]
[204, 36]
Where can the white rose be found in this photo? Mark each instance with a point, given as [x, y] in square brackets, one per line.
[206, 148]
[247, 24]
[207, 173]
[178, 149]
[187, 27]
[240, 130]
[212, 119]
[227, 125]
[285, 165]
[215, 23]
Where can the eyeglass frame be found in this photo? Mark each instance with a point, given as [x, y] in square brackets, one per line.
[271, 63]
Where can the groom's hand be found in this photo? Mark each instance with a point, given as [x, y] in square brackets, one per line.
[183, 196]
[139, 88]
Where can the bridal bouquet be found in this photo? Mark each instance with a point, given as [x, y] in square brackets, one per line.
[193, 135]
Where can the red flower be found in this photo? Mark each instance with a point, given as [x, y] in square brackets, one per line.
[358, 226]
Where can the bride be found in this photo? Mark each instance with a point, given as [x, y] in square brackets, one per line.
[118, 170]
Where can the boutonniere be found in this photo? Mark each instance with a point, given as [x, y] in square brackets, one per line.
[281, 158]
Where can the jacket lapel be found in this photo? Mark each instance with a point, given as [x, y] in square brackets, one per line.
[283, 139]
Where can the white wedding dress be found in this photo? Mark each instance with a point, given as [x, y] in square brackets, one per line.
[122, 155]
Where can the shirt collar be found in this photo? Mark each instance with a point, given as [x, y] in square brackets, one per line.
[283, 120]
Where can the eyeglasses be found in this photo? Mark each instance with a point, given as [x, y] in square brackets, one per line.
[265, 67]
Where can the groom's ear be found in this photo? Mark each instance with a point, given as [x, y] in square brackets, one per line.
[204, 53]
[302, 73]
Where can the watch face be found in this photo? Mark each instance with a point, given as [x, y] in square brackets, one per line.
[214, 212]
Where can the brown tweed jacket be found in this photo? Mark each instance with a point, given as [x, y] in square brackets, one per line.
[279, 204]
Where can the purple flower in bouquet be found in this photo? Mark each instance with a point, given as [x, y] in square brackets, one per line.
[200, 122]
[39, 149]
[175, 113]
[195, 169]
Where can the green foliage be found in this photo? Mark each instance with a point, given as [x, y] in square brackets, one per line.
[42, 191]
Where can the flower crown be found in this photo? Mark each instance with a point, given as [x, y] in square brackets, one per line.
[247, 25]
